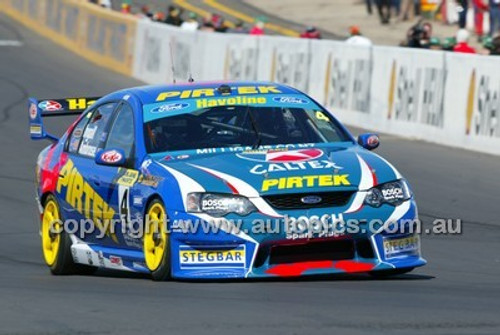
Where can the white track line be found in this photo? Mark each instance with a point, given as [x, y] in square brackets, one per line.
[10, 43]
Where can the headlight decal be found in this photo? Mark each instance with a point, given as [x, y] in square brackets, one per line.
[185, 183]
[368, 180]
[237, 184]
[393, 193]
[217, 204]
[240, 187]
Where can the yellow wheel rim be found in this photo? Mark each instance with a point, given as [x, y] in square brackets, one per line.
[51, 237]
[155, 237]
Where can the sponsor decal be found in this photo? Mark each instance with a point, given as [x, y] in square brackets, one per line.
[373, 140]
[483, 105]
[84, 199]
[100, 256]
[90, 132]
[50, 105]
[74, 253]
[33, 111]
[111, 156]
[348, 82]
[394, 247]
[281, 156]
[211, 256]
[145, 165]
[89, 258]
[247, 149]
[416, 94]
[321, 116]
[241, 62]
[149, 180]
[36, 129]
[211, 92]
[80, 103]
[170, 108]
[231, 101]
[73, 145]
[77, 133]
[328, 225]
[291, 100]
[127, 177]
[328, 180]
[296, 166]
[470, 102]
[137, 201]
[291, 66]
[104, 136]
[115, 261]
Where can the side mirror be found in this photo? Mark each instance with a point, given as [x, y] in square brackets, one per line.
[110, 157]
[369, 141]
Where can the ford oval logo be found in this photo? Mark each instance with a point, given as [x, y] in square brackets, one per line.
[290, 100]
[170, 107]
[311, 199]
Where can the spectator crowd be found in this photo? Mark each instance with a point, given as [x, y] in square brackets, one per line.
[211, 22]
[419, 35]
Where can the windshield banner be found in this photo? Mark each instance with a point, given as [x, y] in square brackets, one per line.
[184, 106]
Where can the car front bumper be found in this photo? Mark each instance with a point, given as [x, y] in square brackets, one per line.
[385, 240]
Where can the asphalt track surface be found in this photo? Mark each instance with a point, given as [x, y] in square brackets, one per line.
[458, 292]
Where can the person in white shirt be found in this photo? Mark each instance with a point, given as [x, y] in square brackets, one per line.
[191, 23]
[105, 3]
[356, 38]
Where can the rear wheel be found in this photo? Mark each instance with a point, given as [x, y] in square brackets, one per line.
[390, 273]
[156, 242]
[56, 243]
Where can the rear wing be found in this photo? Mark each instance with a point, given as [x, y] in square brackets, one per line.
[53, 107]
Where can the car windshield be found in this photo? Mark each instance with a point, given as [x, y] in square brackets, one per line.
[241, 126]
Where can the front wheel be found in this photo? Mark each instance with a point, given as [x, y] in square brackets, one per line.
[156, 242]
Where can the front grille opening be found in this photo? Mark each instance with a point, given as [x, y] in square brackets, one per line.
[294, 201]
[364, 248]
[261, 257]
[314, 251]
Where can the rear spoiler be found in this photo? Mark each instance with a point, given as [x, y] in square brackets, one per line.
[53, 107]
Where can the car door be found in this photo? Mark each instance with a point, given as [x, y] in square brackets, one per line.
[85, 192]
[121, 185]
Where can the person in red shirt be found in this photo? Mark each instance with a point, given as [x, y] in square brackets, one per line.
[462, 43]
[479, 8]
[258, 28]
[125, 9]
[311, 32]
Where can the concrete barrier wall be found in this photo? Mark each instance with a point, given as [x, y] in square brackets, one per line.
[446, 98]
[103, 37]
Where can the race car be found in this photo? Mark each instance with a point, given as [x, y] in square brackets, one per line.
[217, 180]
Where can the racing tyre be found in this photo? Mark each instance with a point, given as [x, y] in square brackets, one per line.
[156, 242]
[390, 273]
[56, 243]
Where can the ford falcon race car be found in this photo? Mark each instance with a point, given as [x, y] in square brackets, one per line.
[211, 180]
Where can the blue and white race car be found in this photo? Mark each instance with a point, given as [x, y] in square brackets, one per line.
[217, 180]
